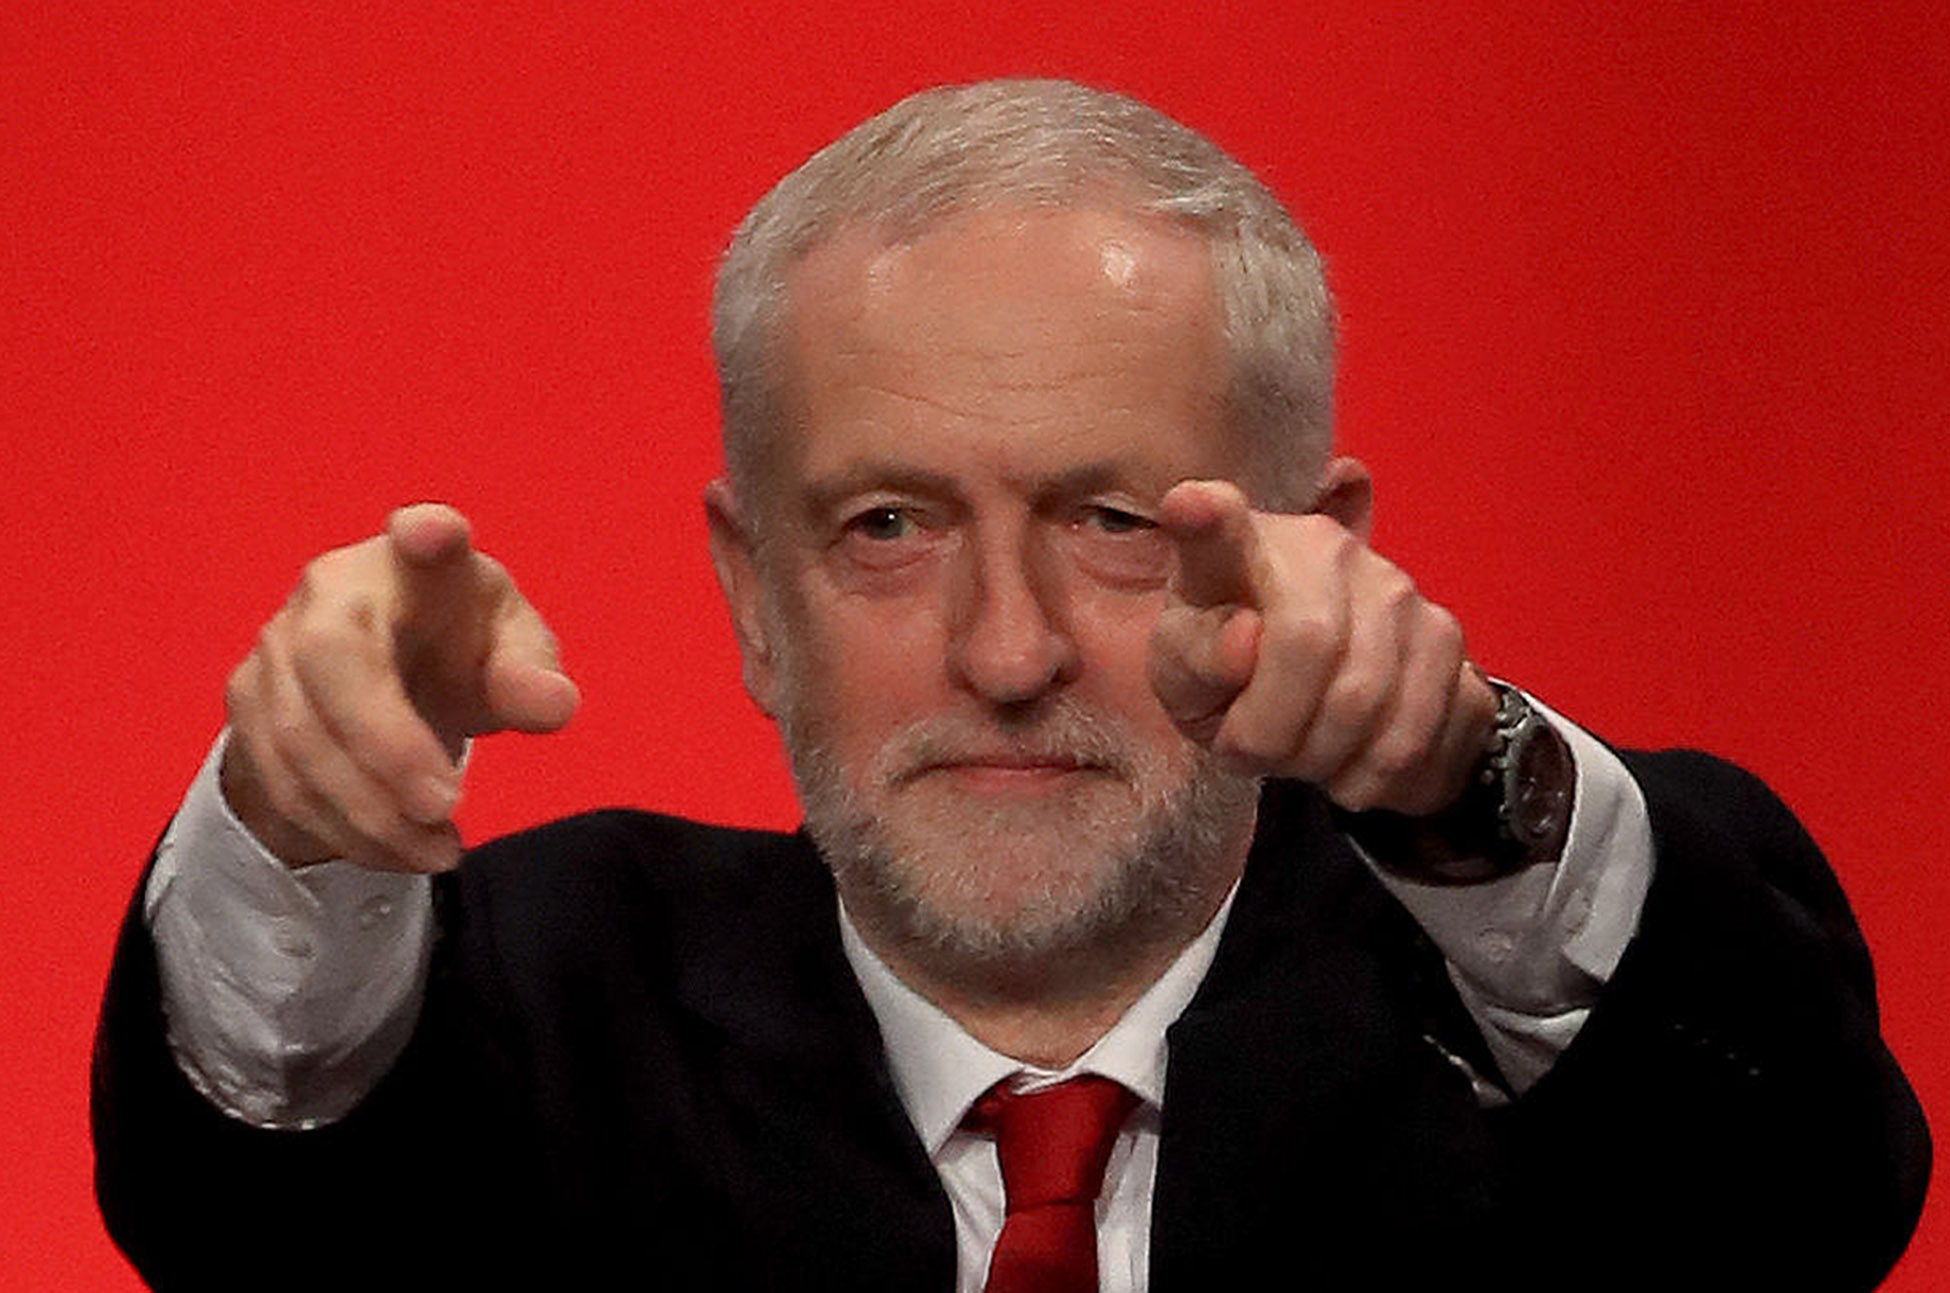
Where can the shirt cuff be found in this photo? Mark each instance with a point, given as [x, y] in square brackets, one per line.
[1529, 952]
[287, 994]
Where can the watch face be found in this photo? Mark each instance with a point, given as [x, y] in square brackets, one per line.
[1541, 778]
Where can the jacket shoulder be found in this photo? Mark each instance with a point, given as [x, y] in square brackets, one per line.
[675, 856]
[621, 882]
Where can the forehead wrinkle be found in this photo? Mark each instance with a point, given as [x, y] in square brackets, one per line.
[1044, 421]
[971, 382]
[919, 398]
[1011, 365]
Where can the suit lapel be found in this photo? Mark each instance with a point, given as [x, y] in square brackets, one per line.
[810, 1096]
[1306, 1110]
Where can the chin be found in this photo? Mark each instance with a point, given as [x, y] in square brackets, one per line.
[1015, 893]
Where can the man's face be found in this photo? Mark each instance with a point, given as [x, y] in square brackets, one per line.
[960, 580]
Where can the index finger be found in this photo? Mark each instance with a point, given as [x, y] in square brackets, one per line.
[1211, 524]
[431, 545]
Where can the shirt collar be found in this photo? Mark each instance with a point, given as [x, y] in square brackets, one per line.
[940, 1070]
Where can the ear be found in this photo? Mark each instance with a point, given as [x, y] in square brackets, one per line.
[1346, 493]
[734, 557]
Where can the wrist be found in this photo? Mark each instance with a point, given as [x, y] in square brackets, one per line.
[242, 791]
[1513, 811]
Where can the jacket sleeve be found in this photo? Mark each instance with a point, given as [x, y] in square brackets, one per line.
[1731, 1096]
[198, 1199]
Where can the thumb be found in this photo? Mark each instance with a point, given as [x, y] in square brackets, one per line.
[1201, 659]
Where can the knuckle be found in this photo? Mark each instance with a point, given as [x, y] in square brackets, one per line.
[1308, 630]
[1322, 528]
[1443, 628]
[355, 609]
[315, 579]
[290, 801]
[400, 845]
[377, 832]
[1398, 591]
[532, 637]
[1357, 696]
[1343, 550]
[1255, 745]
[331, 628]
[1397, 753]
[240, 689]
[494, 584]
[311, 637]
[270, 641]
[1229, 746]
[338, 580]
[393, 756]
[1357, 792]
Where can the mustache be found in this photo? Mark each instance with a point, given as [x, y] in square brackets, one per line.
[1065, 733]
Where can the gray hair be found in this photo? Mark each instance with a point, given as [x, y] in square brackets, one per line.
[1051, 144]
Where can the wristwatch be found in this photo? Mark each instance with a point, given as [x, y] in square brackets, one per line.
[1514, 812]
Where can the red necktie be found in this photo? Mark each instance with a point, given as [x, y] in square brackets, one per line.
[1053, 1145]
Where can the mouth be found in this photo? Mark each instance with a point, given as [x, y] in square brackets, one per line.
[1063, 751]
[1007, 774]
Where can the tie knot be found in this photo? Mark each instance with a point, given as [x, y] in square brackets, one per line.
[1053, 1143]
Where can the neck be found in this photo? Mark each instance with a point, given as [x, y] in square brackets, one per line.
[1044, 1010]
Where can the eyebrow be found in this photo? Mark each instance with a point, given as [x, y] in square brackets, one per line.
[824, 495]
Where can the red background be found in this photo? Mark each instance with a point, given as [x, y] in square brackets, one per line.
[1644, 306]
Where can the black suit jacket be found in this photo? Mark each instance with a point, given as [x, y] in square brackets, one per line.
[642, 1048]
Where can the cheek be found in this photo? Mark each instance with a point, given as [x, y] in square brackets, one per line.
[1113, 636]
[869, 668]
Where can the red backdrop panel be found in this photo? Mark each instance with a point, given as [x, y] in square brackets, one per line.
[1644, 306]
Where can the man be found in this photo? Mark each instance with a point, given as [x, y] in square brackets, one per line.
[1137, 788]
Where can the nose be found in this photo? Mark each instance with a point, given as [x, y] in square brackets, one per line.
[1010, 643]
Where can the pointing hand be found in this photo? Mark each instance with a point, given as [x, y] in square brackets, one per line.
[1291, 648]
[347, 718]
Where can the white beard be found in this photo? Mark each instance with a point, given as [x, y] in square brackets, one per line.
[1007, 891]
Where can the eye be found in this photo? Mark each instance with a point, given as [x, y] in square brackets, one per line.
[1118, 546]
[882, 538]
[1115, 520]
[881, 523]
